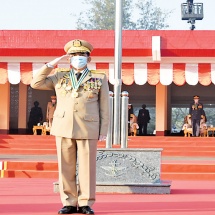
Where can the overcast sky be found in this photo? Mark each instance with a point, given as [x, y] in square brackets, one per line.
[60, 14]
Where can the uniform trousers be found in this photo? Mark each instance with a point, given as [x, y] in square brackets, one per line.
[196, 127]
[68, 150]
[50, 122]
[143, 129]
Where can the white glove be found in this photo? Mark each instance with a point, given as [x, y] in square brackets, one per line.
[102, 138]
[56, 60]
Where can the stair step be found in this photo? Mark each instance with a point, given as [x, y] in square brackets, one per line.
[31, 165]
[28, 174]
[188, 168]
[26, 151]
[54, 175]
[189, 153]
[23, 151]
[188, 176]
[184, 150]
[165, 167]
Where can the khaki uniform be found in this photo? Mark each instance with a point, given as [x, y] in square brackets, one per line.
[77, 124]
[50, 112]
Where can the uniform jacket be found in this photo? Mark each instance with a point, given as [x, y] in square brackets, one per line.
[196, 111]
[84, 117]
[143, 116]
[50, 110]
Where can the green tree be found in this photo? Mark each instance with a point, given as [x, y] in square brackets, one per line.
[178, 115]
[151, 16]
[101, 16]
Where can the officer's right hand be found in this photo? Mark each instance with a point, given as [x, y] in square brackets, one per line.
[57, 60]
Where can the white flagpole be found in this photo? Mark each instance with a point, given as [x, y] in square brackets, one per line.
[117, 70]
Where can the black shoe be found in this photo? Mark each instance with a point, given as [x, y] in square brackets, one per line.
[85, 210]
[68, 210]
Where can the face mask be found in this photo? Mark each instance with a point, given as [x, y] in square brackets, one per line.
[79, 62]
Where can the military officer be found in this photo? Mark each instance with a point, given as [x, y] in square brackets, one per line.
[51, 106]
[81, 119]
[196, 112]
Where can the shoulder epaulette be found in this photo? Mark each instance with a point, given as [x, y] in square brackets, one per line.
[97, 71]
[62, 69]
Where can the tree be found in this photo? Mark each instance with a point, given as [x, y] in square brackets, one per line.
[101, 16]
[151, 17]
[178, 115]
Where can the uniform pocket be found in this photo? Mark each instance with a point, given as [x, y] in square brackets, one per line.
[91, 118]
[92, 95]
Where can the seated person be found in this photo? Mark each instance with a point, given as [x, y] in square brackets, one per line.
[187, 127]
[133, 125]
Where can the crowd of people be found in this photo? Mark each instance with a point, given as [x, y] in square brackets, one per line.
[36, 114]
[137, 125]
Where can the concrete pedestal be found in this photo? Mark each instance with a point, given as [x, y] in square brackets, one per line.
[129, 171]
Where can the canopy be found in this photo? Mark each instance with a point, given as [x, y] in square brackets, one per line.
[138, 73]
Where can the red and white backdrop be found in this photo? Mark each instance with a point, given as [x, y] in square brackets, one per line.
[140, 74]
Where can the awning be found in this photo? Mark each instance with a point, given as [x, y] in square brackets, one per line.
[140, 74]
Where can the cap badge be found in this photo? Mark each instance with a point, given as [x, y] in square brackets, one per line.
[77, 43]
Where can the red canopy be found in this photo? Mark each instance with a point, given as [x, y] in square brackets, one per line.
[134, 42]
[185, 56]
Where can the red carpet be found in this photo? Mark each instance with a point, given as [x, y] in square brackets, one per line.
[36, 197]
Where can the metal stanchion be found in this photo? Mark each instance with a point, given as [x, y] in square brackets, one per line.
[124, 120]
[109, 139]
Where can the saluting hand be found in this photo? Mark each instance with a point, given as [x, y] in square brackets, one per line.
[57, 60]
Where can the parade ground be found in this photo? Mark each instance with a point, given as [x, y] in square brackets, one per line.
[29, 196]
[29, 169]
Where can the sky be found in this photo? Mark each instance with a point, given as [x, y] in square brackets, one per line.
[62, 14]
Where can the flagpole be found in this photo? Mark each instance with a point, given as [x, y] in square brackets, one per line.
[117, 70]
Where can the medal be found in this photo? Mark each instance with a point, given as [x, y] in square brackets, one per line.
[63, 93]
[90, 95]
[58, 86]
[68, 88]
[74, 94]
